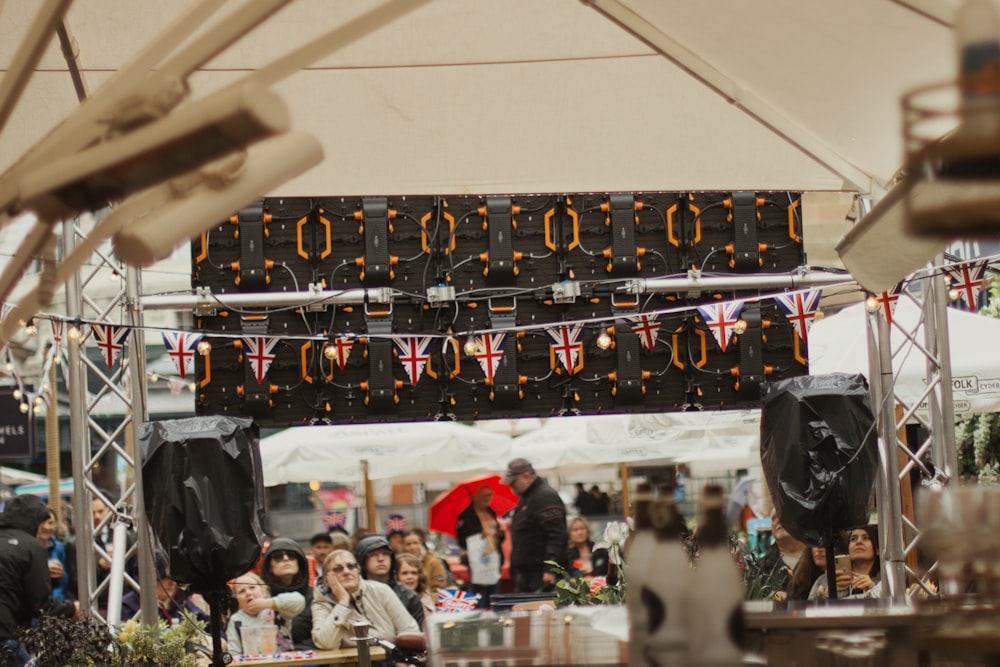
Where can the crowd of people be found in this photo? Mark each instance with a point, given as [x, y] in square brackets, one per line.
[311, 597]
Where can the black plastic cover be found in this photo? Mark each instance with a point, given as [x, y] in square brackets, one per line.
[204, 495]
[819, 452]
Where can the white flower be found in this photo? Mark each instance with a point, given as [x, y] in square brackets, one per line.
[615, 534]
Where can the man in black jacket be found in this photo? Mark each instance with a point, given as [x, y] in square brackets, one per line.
[378, 563]
[25, 586]
[537, 529]
[285, 570]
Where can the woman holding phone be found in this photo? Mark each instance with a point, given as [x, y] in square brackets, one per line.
[863, 578]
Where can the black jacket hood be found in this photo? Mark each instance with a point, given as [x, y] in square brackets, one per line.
[290, 545]
[24, 513]
[370, 544]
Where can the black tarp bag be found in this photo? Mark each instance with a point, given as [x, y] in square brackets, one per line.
[818, 449]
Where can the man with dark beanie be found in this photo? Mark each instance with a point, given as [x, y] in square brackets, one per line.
[25, 585]
[378, 563]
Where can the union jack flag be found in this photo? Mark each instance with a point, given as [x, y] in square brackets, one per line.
[800, 309]
[260, 354]
[182, 346]
[342, 346]
[489, 352]
[566, 345]
[413, 355]
[452, 599]
[889, 299]
[57, 329]
[335, 518]
[721, 318]
[5, 309]
[648, 328]
[396, 523]
[110, 339]
[967, 278]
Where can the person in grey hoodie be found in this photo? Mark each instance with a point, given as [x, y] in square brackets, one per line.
[286, 570]
[378, 563]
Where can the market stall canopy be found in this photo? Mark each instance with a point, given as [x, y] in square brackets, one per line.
[838, 344]
[403, 452]
[481, 97]
[572, 444]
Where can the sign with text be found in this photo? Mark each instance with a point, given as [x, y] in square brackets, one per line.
[17, 429]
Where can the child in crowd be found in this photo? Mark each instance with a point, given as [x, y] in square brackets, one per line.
[258, 608]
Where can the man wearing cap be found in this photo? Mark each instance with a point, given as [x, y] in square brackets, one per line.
[538, 528]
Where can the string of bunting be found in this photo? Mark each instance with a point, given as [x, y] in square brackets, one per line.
[414, 351]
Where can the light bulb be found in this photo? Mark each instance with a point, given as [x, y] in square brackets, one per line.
[330, 351]
[74, 333]
[192, 386]
[871, 304]
[10, 367]
[204, 347]
[954, 295]
[24, 408]
[470, 345]
[153, 377]
[38, 400]
[30, 328]
[37, 409]
[17, 394]
[740, 327]
[603, 340]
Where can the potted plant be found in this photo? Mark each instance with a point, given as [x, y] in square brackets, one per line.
[86, 642]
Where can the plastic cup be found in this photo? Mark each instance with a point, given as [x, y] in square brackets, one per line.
[268, 639]
[251, 636]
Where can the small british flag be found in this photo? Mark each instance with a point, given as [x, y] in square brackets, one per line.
[182, 346]
[647, 327]
[489, 352]
[335, 518]
[721, 318]
[967, 278]
[396, 523]
[800, 309]
[889, 299]
[453, 600]
[413, 355]
[565, 346]
[110, 338]
[260, 354]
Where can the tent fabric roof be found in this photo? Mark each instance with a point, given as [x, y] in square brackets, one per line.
[551, 95]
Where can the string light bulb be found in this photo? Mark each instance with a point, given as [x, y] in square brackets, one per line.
[24, 408]
[740, 327]
[470, 345]
[330, 351]
[204, 347]
[30, 328]
[74, 333]
[954, 294]
[10, 367]
[153, 377]
[17, 394]
[603, 340]
[871, 304]
[192, 386]
[37, 409]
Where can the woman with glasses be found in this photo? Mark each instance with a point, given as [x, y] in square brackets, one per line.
[343, 596]
[285, 569]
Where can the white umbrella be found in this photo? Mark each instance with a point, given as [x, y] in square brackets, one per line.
[403, 452]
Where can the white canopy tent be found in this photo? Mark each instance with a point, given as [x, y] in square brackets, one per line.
[712, 439]
[482, 97]
[838, 344]
[402, 452]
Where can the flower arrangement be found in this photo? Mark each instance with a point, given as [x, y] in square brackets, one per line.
[598, 590]
[86, 642]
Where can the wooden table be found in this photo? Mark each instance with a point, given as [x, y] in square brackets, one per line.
[339, 656]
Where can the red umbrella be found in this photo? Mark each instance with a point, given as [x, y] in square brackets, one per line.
[446, 508]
